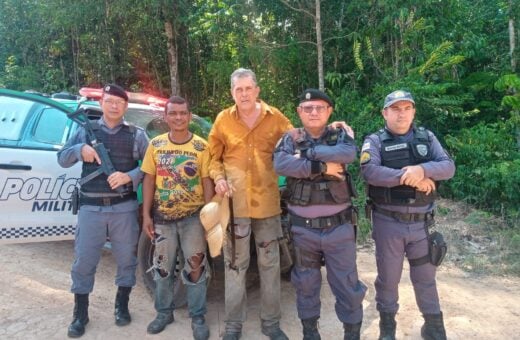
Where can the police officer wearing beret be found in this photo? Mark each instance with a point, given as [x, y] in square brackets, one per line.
[103, 211]
[402, 165]
[313, 159]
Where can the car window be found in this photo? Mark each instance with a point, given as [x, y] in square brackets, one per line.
[156, 127]
[13, 113]
[50, 126]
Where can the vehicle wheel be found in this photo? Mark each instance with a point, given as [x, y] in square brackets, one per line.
[145, 257]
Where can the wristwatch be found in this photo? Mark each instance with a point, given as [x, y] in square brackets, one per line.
[323, 168]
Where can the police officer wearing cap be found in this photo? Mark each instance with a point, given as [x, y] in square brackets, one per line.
[319, 192]
[402, 165]
[103, 210]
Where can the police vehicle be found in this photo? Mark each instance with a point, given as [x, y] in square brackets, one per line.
[35, 192]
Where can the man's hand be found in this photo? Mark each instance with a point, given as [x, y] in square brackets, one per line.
[426, 185]
[89, 154]
[148, 226]
[117, 179]
[344, 126]
[335, 169]
[413, 174]
[295, 134]
[222, 187]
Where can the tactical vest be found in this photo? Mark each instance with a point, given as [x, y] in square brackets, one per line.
[397, 154]
[320, 190]
[120, 147]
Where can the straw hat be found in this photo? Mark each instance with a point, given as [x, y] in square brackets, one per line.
[215, 218]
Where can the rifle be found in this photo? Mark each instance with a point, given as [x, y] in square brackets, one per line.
[232, 228]
[106, 167]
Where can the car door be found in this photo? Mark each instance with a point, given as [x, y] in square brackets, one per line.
[35, 192]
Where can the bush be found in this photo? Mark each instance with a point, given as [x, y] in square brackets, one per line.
[488, 168]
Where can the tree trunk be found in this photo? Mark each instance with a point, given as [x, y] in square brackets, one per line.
[75, 56]
[108, 42]
[173, 62]
[512, 37]
[319, 45]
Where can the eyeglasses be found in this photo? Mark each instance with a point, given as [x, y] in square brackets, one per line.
[111, 102]
[309, 108]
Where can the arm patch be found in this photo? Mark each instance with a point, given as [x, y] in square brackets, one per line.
[365, 157]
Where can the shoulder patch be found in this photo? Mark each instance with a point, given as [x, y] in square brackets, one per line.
[365, 157]
[365, 146]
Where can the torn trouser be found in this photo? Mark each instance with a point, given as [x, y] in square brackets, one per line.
[187, 233]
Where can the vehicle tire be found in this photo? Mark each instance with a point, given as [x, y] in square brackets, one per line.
[145, 252]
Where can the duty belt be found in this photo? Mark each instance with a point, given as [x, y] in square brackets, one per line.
[324, 222]
[105, 199]
[406, 217]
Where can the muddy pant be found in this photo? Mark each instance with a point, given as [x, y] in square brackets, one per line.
[394, 240]
[91, 234]
[337, 246]
[266, 232]
[187, 233]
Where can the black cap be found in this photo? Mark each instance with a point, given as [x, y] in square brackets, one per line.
[315, 94]
[115, 90]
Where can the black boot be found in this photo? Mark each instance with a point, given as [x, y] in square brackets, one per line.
[80, 316]
[352, 331]
[310, 329]
[433, 328]
[387, 326]
[121, 312]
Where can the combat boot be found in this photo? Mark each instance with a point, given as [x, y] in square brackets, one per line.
[352, 331]
[122, 315]
[79, 317]
[310, 329]
[433, 328]
[387, 326]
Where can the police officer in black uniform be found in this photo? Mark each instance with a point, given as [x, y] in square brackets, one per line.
[402, 164]
[321, 214]
[108, 204]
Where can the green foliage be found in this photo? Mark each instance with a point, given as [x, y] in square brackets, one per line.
[452, 55]
[488, 168]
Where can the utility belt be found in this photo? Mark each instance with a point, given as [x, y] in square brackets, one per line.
[400, 195]
[345, 216]
[104, 198]
[407, 217]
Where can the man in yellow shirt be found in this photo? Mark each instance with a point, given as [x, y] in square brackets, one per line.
[241, 144]
[176, 185]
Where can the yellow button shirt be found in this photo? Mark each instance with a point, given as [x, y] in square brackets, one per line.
[244, 156]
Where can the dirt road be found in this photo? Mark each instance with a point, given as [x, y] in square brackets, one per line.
[35, 302]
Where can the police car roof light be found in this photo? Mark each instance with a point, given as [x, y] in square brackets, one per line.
[133, 97]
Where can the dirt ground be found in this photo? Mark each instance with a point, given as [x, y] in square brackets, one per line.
[35, 302]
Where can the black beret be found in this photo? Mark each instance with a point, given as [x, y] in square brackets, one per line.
[115, 90]
[315, 94]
